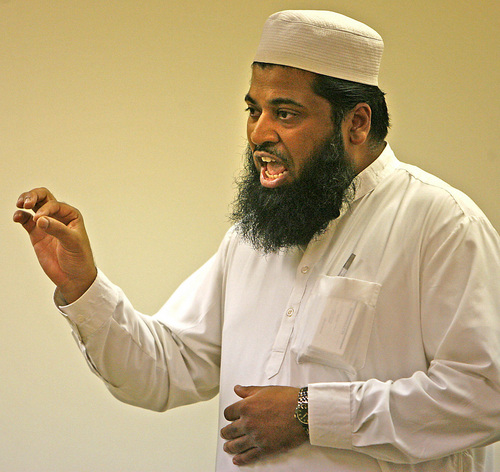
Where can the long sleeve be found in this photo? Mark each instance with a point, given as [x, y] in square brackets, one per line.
[159, 362]
[455, 404]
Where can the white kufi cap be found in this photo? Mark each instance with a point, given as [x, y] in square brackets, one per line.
[323, 42]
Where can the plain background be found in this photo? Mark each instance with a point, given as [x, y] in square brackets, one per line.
[133, 112]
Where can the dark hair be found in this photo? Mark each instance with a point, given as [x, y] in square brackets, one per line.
[344, 95]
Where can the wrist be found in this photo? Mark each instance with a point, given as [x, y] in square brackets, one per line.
[71, 292]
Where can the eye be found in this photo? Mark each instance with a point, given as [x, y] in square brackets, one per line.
[285, 114]
[252, 111]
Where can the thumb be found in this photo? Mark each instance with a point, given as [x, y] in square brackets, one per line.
[43, 223]
[55, 228]
[244, 392]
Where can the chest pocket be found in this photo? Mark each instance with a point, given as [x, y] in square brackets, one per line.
[337, 324]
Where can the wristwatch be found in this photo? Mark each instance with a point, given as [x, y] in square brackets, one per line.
[302, 410]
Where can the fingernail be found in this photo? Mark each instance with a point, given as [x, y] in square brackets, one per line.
[44, 223]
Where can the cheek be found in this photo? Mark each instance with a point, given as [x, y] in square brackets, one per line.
[300, 152]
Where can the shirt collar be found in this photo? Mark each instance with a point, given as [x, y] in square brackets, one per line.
[369, 177]
[378, 170]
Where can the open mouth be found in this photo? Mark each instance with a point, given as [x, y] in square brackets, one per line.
[272, 171]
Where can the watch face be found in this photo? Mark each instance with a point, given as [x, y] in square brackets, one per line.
[302, 415]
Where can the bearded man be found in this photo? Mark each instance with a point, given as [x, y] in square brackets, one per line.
[349, 319]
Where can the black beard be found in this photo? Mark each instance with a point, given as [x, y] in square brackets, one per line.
[293, 214]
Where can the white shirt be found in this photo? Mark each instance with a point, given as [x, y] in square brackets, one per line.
[401, 352]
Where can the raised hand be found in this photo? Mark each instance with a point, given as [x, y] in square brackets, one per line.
[60, 241]
[262, 423]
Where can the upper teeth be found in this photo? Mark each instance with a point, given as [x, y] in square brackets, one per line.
[267, 159]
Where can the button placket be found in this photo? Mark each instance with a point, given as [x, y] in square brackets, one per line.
[290, 315]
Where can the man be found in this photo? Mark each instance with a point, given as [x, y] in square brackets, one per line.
[349, 320]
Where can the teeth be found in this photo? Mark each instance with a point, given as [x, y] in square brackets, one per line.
[273, 176]
[267, 159]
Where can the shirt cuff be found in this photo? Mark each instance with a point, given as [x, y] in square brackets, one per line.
[93, 309]
[330, 414]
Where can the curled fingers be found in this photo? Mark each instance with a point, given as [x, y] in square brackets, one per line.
[34, 199]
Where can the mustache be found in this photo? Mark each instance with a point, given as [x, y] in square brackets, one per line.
[272, 150]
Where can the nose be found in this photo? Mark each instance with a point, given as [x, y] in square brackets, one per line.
[262, 130]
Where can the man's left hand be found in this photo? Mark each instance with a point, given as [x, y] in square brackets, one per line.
[262, 423]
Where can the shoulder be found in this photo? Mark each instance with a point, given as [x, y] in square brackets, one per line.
[431, 191]
[438, 212]
[422, 205]
[406, 186]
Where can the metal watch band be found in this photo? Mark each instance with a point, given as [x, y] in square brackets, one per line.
[302, 410]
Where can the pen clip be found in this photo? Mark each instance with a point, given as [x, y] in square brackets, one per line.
[346, 266]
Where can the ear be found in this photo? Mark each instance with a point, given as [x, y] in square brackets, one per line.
[358, 124]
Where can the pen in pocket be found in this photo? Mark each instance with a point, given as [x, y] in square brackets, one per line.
[346, 266]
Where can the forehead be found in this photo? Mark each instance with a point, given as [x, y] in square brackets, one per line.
[272, 82]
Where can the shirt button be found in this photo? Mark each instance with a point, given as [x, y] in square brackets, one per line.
[305, 269]
[289, 312]
[80, 319]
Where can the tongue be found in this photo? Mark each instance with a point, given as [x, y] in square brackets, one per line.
[275, 168]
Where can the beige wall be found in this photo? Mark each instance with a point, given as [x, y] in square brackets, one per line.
[133, 112]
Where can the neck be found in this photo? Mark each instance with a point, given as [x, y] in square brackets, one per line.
[364, 155]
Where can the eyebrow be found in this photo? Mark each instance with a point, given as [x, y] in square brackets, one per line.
[275, 101]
